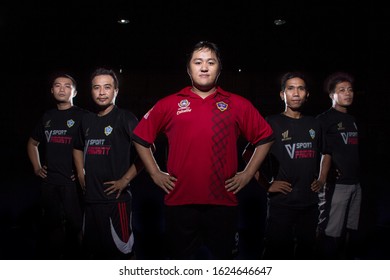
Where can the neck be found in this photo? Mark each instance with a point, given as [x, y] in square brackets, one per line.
[203, 92]
[64, 106]
[292, 114]
[106, 110]
[339, 108]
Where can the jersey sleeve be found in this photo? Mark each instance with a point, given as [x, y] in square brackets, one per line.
[254, 127]
[79, 140]
[151, 124]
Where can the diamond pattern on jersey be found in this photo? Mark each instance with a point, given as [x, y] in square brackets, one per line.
[221, 120]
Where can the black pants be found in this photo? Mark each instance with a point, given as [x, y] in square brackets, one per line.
[61, 221]
[201, 231]
[291, 233]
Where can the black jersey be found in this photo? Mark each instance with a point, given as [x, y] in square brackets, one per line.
[108, 151]
[56, 132]
[295, 156]
[341, 138]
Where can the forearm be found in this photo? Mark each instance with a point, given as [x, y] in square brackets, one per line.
[326, 161]
[134, 169]
[78, 158]
[33, 154]
[148, 160]
[257, 158]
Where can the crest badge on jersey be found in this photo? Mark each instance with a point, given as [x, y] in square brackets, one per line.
[312, 133]
[108, 130]
[184, 103]
[222, 106]
[70, 123]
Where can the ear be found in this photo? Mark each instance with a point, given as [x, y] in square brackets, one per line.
[219, 73]
[116, 91]
[281, 95]
[188, 72]
[74, 93]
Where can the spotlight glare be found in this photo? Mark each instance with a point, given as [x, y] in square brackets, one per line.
[279, 22]
[123, 21]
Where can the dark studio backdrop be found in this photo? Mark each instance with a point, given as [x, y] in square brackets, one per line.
[149, 56]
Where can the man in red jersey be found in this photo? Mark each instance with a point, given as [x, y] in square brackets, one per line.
[202, 123]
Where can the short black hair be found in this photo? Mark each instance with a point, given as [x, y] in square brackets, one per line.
[105, 71]
[63, 75]
[335, 78]
[290, 75]
[205, 45]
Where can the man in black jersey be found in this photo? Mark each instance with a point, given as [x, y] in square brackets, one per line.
[340, 200]
[62, 219]
[290, 175]
[104, 159]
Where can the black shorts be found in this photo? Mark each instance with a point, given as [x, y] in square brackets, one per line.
[192, 227]
[107, 231]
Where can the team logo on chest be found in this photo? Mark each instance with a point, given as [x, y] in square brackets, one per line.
[47, 124]
[340, 126]
[222, 106]
[108, 130]
[285, 136]
[70, 123]
[184, 107]
[312, 133]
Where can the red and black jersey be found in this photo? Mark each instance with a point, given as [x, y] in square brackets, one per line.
[202, 137]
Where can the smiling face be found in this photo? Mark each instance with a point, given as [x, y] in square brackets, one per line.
[204, 70]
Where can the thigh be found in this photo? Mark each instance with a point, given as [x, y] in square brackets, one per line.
[306, 230]
[71, 206]
[120, 229]
[280, 223]
[221, 231]
[338, 210]
[354, 208]
[107, 230]
[182, 231]
[96, 229]
[279, 238]
[324, 206]
[306, 226]
[52, 207]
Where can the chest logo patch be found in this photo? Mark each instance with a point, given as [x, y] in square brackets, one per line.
[312, 133]
[285, 136]
[108, 130]
[184, 107]
[340, 126]
[47, 124]
[222, 106]
[70, 123]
